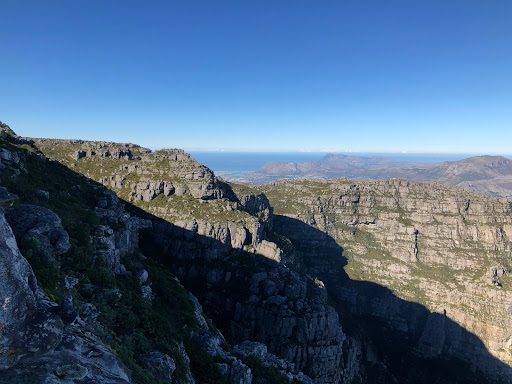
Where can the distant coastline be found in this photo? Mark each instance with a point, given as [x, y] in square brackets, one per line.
[252, 161]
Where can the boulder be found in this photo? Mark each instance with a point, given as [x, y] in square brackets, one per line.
[161, 365]
[6, 198]
[38, 229]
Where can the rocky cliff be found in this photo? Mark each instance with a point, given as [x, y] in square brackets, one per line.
[136, 173]
[215, 241]
[101, 268]
[309, 281]
[80, 303]
[441, 247]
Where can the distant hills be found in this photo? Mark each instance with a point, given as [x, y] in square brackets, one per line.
[490, 175]
[482, 174]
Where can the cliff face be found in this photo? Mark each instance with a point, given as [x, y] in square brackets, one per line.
[38, 342]
[417, 273]
[104, 267]
[137, 173]
[80, 303]
[250, 296]
[438, 246]
[214, 239]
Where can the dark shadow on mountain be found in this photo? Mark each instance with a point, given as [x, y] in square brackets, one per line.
[401, 341]
[417, 346]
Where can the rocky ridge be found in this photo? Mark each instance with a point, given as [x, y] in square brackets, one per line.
[491, 175]
[274, 279]
[442, 247]
[84, 246]
[136, 173]
[51, 331]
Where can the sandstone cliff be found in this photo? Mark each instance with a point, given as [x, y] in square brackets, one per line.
[412, 271]
[438, 246]
[209, 235]
[107, 298]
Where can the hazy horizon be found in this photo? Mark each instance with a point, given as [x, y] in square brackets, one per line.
[252, 161]
[379, 77]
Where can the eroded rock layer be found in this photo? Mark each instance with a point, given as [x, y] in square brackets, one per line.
[439, 246]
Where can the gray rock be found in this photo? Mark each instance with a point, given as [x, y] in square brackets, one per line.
[5, 154]
[71, 372]
[77, 359]
[209, 342]
[70, 282]
[198, 312]
[77, 155]
[113, 245]
[161, 365]
[44, 195]
[251, 348]
[224, 368]
[9, 156]
[6, 198]
[27, 329]
[39, 229]
[240, 373]
[189, 379]
[147, 293]
[142, 276]
[180, 190]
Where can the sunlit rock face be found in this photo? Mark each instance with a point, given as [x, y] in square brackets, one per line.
[438, 246]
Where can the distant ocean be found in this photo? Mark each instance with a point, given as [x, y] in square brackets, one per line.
[252, 161]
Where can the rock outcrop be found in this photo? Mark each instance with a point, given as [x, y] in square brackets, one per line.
[35, 345]
[137, 173]
[444, 248]
[39, 228]
[252, 297]
[120, 237]
[26, 328]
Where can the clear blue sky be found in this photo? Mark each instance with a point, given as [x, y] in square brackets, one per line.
[374, 76]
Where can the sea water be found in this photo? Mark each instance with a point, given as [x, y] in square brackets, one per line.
[252, 161]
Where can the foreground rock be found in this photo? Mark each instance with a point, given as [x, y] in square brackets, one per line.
[35, 347]
[39, 228]
[26, 328]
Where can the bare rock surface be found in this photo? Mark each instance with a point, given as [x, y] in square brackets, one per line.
[32, 222]
[26, 328]
[139, 173]
[438, 246]
[35, 346]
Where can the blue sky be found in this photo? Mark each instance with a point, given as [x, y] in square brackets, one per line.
[254, 75]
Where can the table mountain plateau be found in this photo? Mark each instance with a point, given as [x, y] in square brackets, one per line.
[124, 265]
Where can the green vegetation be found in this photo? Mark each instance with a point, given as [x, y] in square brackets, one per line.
[204, 366]
[263, 374]
[129, 324]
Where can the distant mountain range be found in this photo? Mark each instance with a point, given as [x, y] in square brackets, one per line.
[490, 175]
